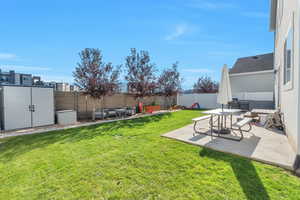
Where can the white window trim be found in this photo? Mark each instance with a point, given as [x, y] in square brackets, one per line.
[289, 85]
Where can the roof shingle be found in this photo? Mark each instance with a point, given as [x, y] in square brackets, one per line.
[253, 64]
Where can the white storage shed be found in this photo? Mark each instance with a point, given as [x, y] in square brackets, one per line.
[25, 107]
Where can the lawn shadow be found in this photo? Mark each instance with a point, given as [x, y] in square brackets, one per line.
[15, 146]
[244, 171]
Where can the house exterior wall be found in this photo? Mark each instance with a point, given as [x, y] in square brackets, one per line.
[287, 99]
[263, 82]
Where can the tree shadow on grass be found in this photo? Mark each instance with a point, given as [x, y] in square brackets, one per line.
[12, 147]
[244, 171]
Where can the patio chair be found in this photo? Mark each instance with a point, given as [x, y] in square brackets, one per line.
[274, 121]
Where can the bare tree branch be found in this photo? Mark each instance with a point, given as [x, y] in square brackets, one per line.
[169, 82]
[205, 85]
[93, 76]
[140, 74]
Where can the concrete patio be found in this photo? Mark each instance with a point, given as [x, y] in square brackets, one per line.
[268, 146]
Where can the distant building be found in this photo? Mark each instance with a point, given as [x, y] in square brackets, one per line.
[50, 84]
[74, 88]
[12, 78]
[7, 77]
[37, 80]
[63, 87]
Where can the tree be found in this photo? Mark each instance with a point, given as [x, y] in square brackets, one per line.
[169, 82]
[205, 85]
[140, 74]
[94, 77]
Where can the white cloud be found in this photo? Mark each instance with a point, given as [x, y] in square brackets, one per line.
[198, 70]
[179, 31]
[7, 56]
[256, 14]
[24, 68]
[209, 5]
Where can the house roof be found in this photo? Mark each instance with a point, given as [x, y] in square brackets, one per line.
[253, 64]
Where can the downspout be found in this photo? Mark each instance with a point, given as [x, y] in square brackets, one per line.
[273, 14]
[298, 58]
[277, 75]
[297, 162]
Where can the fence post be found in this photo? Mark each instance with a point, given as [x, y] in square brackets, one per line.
[74, 100]
[86, 100]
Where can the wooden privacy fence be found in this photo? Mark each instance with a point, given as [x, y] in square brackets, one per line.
[84, 104]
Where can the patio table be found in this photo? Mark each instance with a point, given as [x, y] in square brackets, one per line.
[223, 114]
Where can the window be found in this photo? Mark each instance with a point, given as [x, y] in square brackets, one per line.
[288, 58]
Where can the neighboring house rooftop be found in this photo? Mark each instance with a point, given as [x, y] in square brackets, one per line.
[256, 63]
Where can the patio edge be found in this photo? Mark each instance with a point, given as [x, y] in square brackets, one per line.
[287, 167]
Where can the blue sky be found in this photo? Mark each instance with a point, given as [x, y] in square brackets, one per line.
[44, 37]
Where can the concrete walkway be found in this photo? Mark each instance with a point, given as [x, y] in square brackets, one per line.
[57, 127]
[260, 144]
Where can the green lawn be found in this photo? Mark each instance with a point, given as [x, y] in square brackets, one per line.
[129, 160]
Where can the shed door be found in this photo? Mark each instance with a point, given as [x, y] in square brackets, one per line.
[43, 104]
[16, 102]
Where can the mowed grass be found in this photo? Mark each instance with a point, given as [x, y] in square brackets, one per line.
[129, 160]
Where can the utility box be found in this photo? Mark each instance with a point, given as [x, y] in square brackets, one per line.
[65, 117]
[26, 107]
